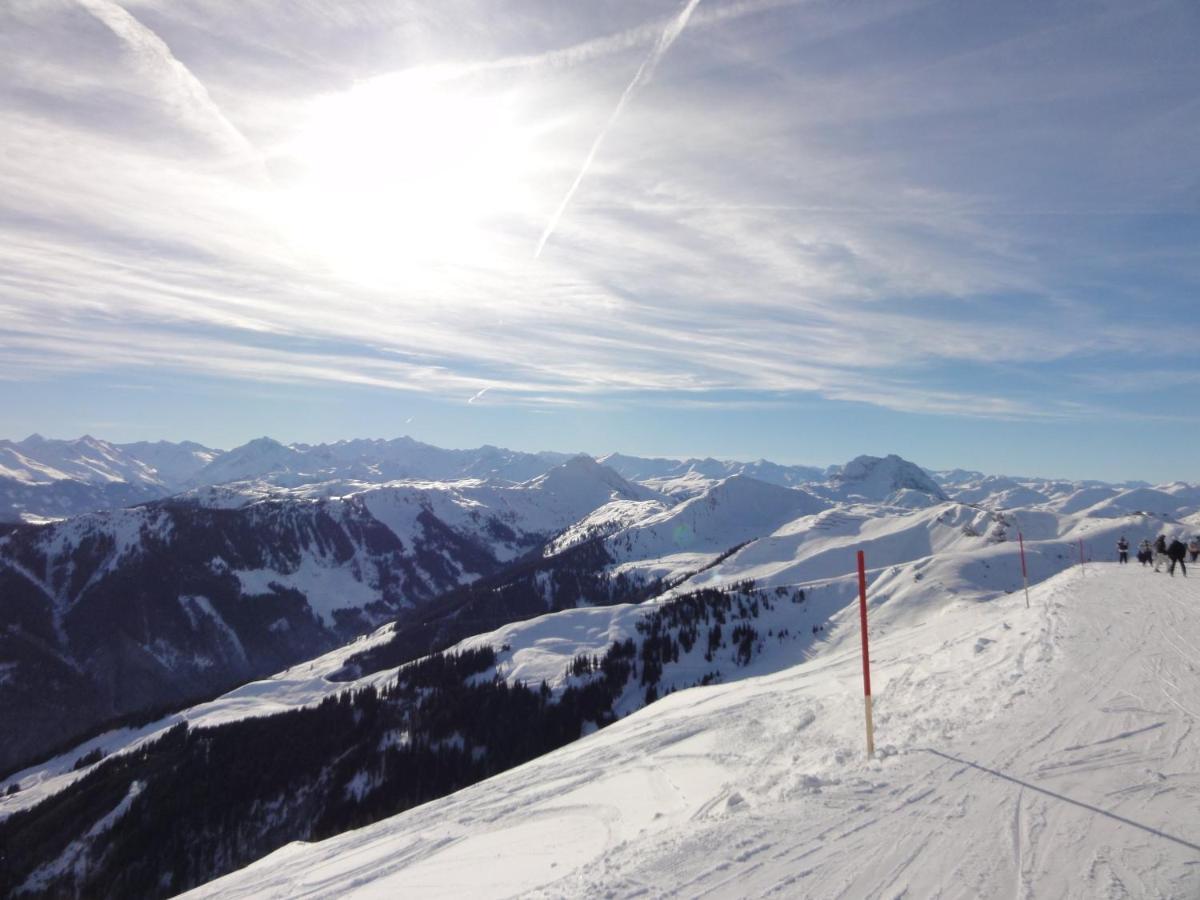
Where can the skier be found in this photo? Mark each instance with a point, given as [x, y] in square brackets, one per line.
[1145, 552]
[1194, 547]
[1160, 551]
[1176, 552]
[1123, 550]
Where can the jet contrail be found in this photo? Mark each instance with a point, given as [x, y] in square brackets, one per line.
[645, 70]
[178, 86]
[479, 396]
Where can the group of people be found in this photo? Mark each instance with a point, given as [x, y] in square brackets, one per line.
[1161, 552]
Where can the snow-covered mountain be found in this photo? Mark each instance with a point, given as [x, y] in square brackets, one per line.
[945, 598]
[1014, 758]
[174, 465]
[664, 472]
[42, 479]
[572, 600]
[876, 480]
[120, 612]
[370, 461]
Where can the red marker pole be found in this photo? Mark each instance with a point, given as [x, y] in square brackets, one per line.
[862, 613]
[1024, 570]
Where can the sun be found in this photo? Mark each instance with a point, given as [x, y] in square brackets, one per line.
[406, 172]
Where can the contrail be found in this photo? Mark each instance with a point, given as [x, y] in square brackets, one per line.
[645, 70]
[183, 90]
[479, 396]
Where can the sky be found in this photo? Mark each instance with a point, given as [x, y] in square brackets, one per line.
[966, 232]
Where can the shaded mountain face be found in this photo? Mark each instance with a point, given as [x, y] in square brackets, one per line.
[133, 610]
[129, 611]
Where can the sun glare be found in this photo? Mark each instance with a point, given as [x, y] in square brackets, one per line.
[404, 172]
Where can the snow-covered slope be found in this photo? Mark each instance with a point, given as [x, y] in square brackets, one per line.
[1045, 751]
[691, 535]
[1145, 500]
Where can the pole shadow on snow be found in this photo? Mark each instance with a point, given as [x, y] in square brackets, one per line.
[1064, 798]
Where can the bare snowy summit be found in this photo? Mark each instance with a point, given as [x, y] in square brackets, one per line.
[876, 478]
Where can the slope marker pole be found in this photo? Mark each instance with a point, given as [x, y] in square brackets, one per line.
[1024, 570]
[866, 659]
[1081, 559]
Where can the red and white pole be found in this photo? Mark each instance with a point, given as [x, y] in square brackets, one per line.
[1024, 570]
[866, 658]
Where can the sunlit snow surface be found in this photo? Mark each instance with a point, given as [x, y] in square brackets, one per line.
[1045, 752]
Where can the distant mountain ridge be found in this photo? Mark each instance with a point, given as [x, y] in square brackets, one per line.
[43, 479]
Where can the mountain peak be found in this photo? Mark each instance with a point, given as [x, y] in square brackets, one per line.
[876, 478]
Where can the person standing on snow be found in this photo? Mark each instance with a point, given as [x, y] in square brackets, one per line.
[1160, 551]
[1194, 547]
[1176, 552]
[1145, 552]
[1123, 550]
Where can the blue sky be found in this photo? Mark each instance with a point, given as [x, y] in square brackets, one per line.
[965, 232]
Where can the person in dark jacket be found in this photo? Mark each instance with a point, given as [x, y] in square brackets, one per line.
[1145, 552]
[1123, 550]
[1176, 552]
[1160, 551]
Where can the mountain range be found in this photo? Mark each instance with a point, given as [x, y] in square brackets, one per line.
[393, 608]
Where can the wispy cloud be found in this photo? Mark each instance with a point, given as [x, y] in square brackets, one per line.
[801, 205]
[175, 83]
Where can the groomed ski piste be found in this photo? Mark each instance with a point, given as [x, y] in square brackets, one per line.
[1047, 751]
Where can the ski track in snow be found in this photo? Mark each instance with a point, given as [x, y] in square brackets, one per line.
[1042, 752]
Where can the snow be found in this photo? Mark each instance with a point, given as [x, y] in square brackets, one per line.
[174, 464]
[1019, 748]
[688, 536]
[1043, 751]
[327, 585]
[875, 478]
[37, 460]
